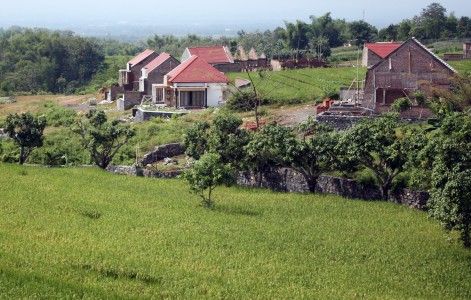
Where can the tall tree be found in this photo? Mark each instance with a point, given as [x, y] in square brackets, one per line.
[362, 32]
[433, 18]
[101, 138]
[26, 131]
[376, 145]
[449, 154]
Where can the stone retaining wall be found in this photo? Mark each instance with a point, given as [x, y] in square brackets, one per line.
[161, 152]
[137, 171]
[289, 180]
[160, 174]
[339, 122]
[141, 115]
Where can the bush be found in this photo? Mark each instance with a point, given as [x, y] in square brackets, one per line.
[60, 116]
[401, 104]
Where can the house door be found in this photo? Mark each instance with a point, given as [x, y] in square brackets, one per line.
[192, 98]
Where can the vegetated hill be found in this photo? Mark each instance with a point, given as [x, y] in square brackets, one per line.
[301, 85]
[89, 234]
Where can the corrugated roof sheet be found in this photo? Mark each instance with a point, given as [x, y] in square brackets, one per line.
[383, 49]
[212, 54]
[196, 70]
[140, 57]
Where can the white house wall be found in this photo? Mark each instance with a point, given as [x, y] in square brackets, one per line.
[215, 93]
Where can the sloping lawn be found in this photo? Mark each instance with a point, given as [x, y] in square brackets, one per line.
[301, 85]
[84, 233]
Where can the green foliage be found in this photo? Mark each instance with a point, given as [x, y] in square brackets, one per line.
[206, 174]
[223, 136]
[375, 144]
[58, 115]
[420, 98]
[40, 60]
[401, 104]
[26, 131]
[60, 147]
[196, 139]
[243, 100]
[101, 138]
[310, 156]
[361, 32]
[449, 154]
[254, 244]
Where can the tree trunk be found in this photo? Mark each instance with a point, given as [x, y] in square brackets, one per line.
[311, 182]
[384, 191]
[22, 155]
[465, 236]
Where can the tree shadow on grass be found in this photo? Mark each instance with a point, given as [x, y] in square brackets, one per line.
[234, 210]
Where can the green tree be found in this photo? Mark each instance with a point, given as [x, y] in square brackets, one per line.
[223, 136]
[362, 32]
[464, 27]
[196, 139]
[377, 145]
[403, 31]
[389, 33]
[311, 156]
[433, 19]
[26, 131]
[449, 154]
[102, 138]
[206, 174]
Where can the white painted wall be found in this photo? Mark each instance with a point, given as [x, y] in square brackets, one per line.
[215, 93]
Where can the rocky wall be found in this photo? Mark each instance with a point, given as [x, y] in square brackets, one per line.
[289, 180]
[339, 122]
[161, 152]
[141, 115]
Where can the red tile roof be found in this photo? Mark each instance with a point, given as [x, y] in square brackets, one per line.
[383, 49]
[157, 62]
[212, 54]
[140, 57]
[196, 70]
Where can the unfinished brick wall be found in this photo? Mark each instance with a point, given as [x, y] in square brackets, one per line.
[409, 68]
[156, 76]
[135, 73]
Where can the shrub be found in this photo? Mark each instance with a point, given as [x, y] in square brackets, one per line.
[401, 104]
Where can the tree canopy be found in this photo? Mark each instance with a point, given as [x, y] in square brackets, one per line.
[40, 60]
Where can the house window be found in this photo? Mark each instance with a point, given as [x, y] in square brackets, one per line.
[192, 98]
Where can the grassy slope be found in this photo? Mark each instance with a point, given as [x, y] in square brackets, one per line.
[85, 233]
[303, 84]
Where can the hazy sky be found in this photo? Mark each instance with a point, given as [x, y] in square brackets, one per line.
[71, 13]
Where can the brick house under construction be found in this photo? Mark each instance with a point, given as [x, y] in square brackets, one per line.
[410, 68]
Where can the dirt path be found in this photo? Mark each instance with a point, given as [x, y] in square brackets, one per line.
[289, 116]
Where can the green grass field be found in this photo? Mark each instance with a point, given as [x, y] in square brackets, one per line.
[301, 85]
[84, 233]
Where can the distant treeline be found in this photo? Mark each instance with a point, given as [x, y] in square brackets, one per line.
[40, 60]
[315, 38]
